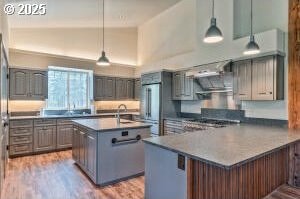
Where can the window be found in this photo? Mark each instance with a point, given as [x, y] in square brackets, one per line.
[69, 88]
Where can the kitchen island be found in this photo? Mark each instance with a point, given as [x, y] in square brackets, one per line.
[236, 162]
[109, 151]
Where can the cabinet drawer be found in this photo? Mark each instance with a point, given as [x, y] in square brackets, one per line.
[20, 149]
[20, 123]
[20, 131]
[26, 139]
[65, 121]
[44, 122]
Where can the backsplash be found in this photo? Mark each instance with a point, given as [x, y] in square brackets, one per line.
[25, 106]
[104, 105]
[29, 106]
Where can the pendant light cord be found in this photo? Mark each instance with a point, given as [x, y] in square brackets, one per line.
[213, 8]
[251, 18]
[103, 27]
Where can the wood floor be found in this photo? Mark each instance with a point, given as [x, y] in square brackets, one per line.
[55, 176]
[285, 192]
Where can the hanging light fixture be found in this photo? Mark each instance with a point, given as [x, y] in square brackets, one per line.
[252, 47]
[213, 34]
[103, 60]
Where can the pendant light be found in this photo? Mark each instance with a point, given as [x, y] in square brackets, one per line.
[103, 60]
[252, 47]
[213, 34]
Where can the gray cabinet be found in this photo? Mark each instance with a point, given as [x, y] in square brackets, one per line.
[28, 84]
[104, 88]
[20, 137]
[267, 78]
[64, 136]
[44, 138]
[91, 153]
[137, 89]
[18, 87]
[75, 144]
[38, 89]
[259, 79]
[129, 88]
[182, 86]
[121, 92]
[85, 151]
[112, 88]
[242, 80]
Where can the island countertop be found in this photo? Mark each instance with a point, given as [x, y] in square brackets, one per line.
[109, 124]
[230, 146]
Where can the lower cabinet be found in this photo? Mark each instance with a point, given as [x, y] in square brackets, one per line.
[44, 138]
[85, 150]
[64, 136]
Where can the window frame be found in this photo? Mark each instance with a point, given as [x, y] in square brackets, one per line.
[89, 84]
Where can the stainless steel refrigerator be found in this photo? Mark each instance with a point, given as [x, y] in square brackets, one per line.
[156, 101]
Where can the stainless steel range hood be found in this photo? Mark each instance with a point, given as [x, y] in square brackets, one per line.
[214, 77]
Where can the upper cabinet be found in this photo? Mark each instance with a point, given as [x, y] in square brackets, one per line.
[104, 88]
[242, 86]
[28, 84]
[259, 79]
[182, 86]
[113, 88]
[137, 89]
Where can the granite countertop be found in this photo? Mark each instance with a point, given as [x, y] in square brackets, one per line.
[109, 124]
[70, 116]
[230, 146]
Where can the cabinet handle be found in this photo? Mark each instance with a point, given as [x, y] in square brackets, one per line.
[266, 93]
[296, 154]
[242, 94]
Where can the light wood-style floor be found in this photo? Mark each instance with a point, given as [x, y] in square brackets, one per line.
[55, 176]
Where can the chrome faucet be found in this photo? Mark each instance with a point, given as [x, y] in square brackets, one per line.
[119, 108]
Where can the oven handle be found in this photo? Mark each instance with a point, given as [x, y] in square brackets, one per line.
[115, 141]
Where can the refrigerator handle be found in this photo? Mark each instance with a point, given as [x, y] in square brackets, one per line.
[146, 103]
[150, 101]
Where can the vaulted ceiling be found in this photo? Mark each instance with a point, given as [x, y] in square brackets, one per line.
[88, 13]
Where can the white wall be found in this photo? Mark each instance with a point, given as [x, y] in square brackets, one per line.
[4, 28]
[120, 43]
[155, 54]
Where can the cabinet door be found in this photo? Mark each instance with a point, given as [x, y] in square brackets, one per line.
[121, 91]
[188, 88]
[110, 88]
[129, 88]
[91, 152]
[38, 89]
[64, 136]
[243, 81]
[75, 147]
[137, 89]
[263, 78]
[19, 84]
[44, 138]
[177, 84]
[82, 146]
[99, 88]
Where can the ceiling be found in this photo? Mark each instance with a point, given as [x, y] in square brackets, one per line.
[85, 13]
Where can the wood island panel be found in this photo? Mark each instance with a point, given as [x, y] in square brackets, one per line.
[294, 64]
[252, 180]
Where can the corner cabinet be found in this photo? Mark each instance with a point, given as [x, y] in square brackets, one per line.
[259, 79]
[182, 86]
[28, 84]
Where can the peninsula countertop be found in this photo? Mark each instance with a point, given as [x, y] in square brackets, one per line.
[109, 124]
[230, 146]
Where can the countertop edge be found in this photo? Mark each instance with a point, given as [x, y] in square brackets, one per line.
[219, 164]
